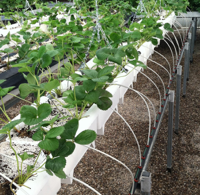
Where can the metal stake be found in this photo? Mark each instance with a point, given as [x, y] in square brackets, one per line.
[189, 54]
[187, 57]
[192, 41]
[146, 183]
[178, 92]
[195, 19]
[170, 130]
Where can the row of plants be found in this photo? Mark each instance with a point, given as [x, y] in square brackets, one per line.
[88, 86]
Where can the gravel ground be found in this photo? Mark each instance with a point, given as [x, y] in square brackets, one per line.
[110, 178]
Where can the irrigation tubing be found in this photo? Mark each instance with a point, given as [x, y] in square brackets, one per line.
[178, 33]
[181, 27]
[113, 158]
[160, 55]
[170, 50]
[85, 184]
[145, 103]
[159, 65]
[177, 43]
[170, 40]
[159, 78]
[154, 85]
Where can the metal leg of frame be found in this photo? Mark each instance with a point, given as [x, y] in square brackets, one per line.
[170, 130]
[187, 57]
[189, 53]
[178, 93]
[192, 41]
[195, 28]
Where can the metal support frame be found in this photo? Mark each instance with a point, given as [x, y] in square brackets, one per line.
[195, 19]
[170, 130]
[146, 183]
[178, 92]
[186, 67]
[192, 41]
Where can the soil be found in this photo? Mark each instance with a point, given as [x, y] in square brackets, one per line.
[110, 178]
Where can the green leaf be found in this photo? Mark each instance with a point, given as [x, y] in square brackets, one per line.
[4, 91]
[1, 81]
[90, 73]
[30, 168]
[31, 79]
[49, 172]
[168, 27]
[49, 144]
[52, 53]
[71, 128]
[8, 50]
[80, 92]
[25, 90]
[115, 37]
[25, 156]
[92, 97]
[50, 85]
[46, 60]
[102, 53]
[64, 149]
[106, 70]
[76, 39]
[138, 63]
[136, 35]
[89, 85]
[85, 137]
[44, 110]
[4, 42]
[55, 164]
[41, 51]
[10, 125]
[30, 115]
[54, 132]
[104, 103]
[101, 79]
[154, 41]
[38, 135]
[49, 47]
[61, 174]
[103, 93]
